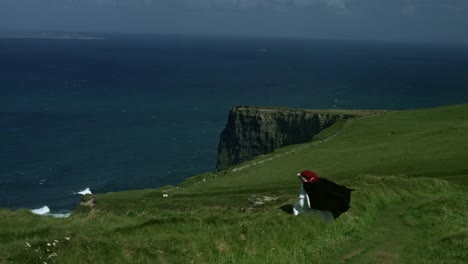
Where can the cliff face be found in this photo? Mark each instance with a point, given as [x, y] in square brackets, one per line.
[252, 131]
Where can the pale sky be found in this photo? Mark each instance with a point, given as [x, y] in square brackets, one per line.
[396, 20]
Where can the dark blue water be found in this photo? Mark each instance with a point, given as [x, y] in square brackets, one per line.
[131, 112]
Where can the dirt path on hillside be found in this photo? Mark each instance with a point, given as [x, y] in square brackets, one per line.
[386, 241]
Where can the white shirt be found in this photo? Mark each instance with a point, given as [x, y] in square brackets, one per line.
[303, 206]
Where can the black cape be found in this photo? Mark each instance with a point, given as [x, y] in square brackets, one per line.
[329, 196]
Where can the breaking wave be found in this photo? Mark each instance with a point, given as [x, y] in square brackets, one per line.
[84, 192]
[41, 211]
[45, 211]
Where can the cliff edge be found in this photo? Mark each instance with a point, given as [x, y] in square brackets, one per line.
[253, 131]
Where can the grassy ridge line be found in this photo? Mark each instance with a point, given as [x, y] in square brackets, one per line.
[354, 112]
[326, 135]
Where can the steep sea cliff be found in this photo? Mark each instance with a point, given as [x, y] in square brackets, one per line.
[253, 131]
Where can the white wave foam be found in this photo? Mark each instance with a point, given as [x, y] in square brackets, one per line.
[84, 192]
[41, 211]
[45, 211]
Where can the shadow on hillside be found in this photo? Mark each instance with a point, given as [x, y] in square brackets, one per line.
[287, 208]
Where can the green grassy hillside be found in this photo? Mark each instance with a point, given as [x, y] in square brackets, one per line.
[409, 170]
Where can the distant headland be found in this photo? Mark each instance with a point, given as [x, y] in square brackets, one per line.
[47, 35]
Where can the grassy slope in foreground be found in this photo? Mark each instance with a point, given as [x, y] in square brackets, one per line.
[401, 211]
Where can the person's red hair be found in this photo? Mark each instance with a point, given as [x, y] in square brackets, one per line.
[310, 176]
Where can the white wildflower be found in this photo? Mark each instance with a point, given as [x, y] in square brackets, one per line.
[49, 245]
[52, 255]
[28, 245]
[56, 241]
[67, 238]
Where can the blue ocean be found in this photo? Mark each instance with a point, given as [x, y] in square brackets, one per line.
[144, 111]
